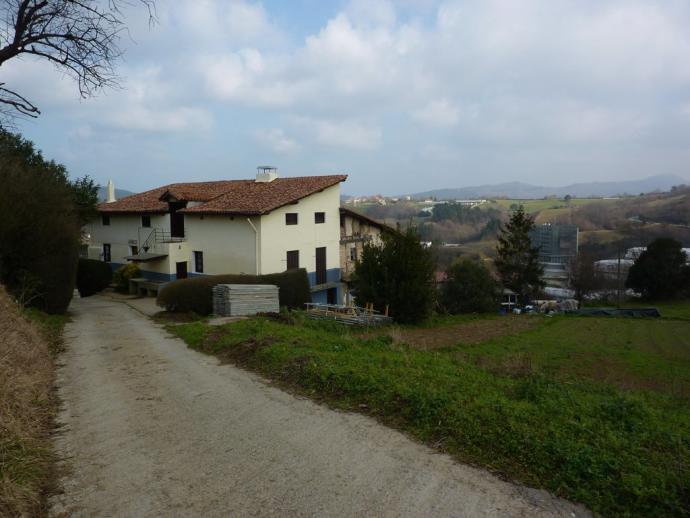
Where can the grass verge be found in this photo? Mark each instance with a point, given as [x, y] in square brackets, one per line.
[618, 451]
[28, 345]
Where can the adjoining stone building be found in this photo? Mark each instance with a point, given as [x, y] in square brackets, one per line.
[356, 230]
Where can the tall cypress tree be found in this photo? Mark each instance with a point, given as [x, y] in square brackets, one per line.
[517, 261]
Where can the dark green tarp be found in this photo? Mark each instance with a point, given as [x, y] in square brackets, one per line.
[618, 312]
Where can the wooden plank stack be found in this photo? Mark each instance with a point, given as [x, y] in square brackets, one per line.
[231, 300]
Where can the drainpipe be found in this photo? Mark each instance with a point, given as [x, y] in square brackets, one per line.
[256, 245]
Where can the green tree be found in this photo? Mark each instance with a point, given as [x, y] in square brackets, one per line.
[85, 196]
[517, 261]
[39, 226]
[470, 288]
[399, 273]
[660, 272]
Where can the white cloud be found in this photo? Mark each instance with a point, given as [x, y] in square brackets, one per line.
[347, 134]
[276, 139]
[440, 112]
[180, 119]
[531, 78]
[245, 77]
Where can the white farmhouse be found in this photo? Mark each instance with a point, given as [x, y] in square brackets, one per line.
[260, 226]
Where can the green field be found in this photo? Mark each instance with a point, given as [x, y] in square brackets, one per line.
[593, 409]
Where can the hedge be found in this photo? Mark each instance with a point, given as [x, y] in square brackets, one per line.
[92, 276]
[196, 294]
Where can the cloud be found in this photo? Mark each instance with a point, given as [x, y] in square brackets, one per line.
[348, 134]
[441, 113]
[182, 119]
[515, 86]
[276, 139]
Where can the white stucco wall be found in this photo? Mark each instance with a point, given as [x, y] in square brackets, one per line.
[227, 242]
[277, 237]
[123, 228]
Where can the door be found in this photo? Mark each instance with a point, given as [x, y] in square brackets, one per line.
[181, 270]
[332, 296]
[176, 218]
[321, 265]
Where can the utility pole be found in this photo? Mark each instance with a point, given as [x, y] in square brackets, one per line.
[618, 278]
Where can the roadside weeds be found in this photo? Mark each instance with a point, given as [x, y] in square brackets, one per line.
[29, 344]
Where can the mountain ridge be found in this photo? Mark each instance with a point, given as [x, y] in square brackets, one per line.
[520, 190]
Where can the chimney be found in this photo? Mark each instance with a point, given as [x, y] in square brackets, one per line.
[266, 173]
[111, 192]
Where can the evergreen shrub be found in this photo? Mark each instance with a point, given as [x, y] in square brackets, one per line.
[93, 276]
[123, 274]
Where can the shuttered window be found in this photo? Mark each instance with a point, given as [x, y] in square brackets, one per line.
[198, 262]
[292, 259]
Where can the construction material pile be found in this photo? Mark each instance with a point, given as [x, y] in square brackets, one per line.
[348, 315]
[230, 300]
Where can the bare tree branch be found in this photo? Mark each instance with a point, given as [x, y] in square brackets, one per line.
[79, 37]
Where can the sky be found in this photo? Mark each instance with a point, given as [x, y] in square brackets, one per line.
[403, 96]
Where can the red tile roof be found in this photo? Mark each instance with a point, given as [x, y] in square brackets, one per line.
[245, 197]
[358, 215]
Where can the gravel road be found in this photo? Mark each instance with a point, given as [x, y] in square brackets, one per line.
[152, 428]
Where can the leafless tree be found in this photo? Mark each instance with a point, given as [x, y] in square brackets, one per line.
[584, 277]
[80, 37]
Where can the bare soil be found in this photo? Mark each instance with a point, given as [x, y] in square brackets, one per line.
[472, 332]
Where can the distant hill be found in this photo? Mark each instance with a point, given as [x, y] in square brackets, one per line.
[119, 193]
[521, 190]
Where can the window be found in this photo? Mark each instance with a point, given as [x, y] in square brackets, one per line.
[292, 259]
[134, 249]
[146, 221]
[106, 252]
[291, 218]
[319, 217]
[199, 262]
[353, 254]
[105, 219]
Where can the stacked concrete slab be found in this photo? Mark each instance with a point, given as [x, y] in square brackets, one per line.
[230, 300]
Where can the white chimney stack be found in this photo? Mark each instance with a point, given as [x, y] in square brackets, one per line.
[266, 173]
[111, 192]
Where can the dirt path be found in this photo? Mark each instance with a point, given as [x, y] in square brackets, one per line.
[153, 428]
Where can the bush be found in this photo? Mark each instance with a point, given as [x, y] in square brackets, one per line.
[93, 276]
[123, 274]
[470, 288]
[399, 273]
[39, 226]
[196, 294]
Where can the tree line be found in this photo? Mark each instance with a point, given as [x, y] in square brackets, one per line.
[42, 213]
[399, 273]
